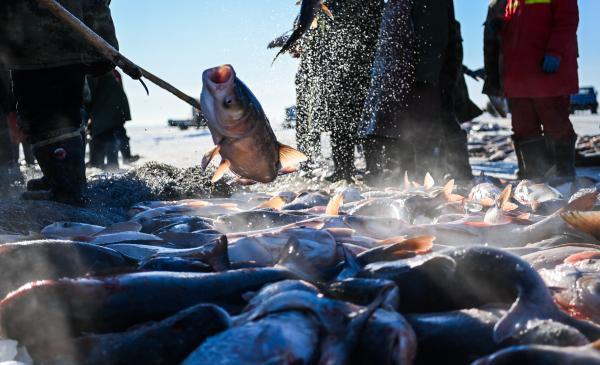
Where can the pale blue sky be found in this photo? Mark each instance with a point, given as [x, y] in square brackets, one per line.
[178, 39]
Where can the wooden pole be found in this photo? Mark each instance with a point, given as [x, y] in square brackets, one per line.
[111, 53]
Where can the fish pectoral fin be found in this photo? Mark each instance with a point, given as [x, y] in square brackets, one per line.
[595, 345]
[209, 156]
[406, 181]
[504, 196]
[428, 181]
[221, 170]
[333, 207]
[419, 243]
[588, 222]
[448, 188]
[287, 170]
[275, 202]
[245, 182]
[325, 9]
[509, 207]
[585, 202]
[289, 156]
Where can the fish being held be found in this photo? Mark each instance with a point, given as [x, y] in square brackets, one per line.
[241, 131]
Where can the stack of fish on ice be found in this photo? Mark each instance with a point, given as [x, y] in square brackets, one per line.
[491, 142]
[416, 274]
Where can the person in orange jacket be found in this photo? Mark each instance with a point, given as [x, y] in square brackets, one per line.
[539, 45]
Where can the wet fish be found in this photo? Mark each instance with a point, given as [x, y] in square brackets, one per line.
[27, 262]
[70, 230]
[72, 307]
[241, 131]
[532, 194]
[162, 343]
[544, 355]
[290, 337]
[257, 220]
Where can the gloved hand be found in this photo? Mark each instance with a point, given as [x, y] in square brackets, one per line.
[551, 64]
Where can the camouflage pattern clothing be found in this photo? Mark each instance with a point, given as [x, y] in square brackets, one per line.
[334, 74]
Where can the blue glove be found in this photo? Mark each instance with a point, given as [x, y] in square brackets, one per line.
[551, 64]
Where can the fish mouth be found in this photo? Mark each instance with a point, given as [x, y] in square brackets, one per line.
[219, 75]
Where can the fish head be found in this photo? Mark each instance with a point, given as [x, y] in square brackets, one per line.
[228, 105]
[70, 230]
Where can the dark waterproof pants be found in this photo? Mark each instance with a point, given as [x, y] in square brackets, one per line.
[6, 150]
[49, 100]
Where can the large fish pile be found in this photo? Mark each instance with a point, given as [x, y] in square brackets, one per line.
[417, 274]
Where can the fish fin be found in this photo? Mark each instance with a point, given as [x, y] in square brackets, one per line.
[419, 243]
[448, 188]
[245, 182]
[219, 257]
[221, 170]
[487, 202]
[340, 232]
[326, 10]
[513, 321]
[333, 207]
[406, 181]
[456, 198]
[391, 241]
[289, 156]
[120, 227]
[275, 202]
[209, 156]
[586, 255]
[477, 224]
[509, 207]
[595, 345]
[588, 222]
[504, 196]
[428, 181]
[585, 202]
[287, 170]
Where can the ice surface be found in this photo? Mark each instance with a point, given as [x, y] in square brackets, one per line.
[8, 350]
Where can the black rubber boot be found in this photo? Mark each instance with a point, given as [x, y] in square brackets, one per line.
[38, 184]
[456, 154]
[533, 157]
[343, 163]
[63, 165]
[562, 156]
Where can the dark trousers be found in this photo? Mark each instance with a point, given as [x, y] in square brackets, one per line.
[104, 150]
[49, 100]
[6, 151]
[123, 139]
[536, 117]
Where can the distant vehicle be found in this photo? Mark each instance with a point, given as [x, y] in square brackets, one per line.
[291, 115]
[198, 121]
[586, 99]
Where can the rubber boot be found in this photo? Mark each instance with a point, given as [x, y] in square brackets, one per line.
[533, 158]
[97, 153]
[343, 162]
[63, 166]
[456, 154]
[562, 155]
[111, 150]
